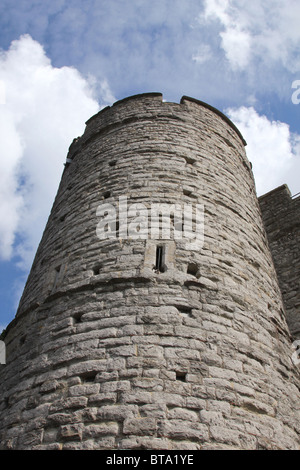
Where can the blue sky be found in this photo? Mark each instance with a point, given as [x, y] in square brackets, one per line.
[63, 60]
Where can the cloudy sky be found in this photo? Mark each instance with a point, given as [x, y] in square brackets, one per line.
[63, 60]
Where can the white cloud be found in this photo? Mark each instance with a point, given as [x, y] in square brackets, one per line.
[10, 200]
[237, 46]
[45, 108]
[203, 54]
[272, 149]
[257, 30]
[235, 40]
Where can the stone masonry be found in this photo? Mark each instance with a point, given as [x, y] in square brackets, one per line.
[128, 342]
[281, 216]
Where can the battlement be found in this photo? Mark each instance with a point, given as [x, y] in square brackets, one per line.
[146, 106]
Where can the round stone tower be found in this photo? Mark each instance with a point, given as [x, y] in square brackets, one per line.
[152, 316]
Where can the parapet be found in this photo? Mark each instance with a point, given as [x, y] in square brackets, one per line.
[144, 105]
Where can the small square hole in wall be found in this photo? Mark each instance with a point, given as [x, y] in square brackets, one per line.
[106, 194]
[77, 317]
[181, 376]
[112, 163]
[184, 310]
[88, 377]
[187, 192]
[193, 269]
[96, 269]
[189, 160]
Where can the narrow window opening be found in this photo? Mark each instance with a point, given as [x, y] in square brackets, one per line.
[181, 376]
[22, 340]
[159, 261]
[106, 194]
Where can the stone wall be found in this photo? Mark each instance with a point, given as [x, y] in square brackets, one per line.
[281, 216]
[109, 350]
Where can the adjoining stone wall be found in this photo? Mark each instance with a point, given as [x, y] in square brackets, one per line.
[281, 216]
[109, 352]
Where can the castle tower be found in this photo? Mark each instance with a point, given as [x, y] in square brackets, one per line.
[130, 337]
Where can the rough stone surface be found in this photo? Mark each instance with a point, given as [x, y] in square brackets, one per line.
[281, 216]
[107, 352]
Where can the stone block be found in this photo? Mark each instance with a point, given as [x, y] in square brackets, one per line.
[140, 426]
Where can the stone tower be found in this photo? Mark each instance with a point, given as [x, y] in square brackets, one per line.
[130, 337]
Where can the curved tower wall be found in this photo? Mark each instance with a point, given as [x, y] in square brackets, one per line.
[113, 348]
